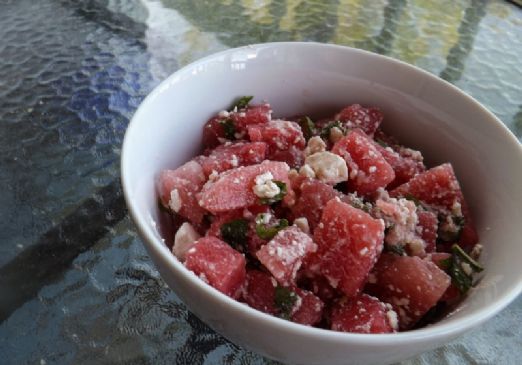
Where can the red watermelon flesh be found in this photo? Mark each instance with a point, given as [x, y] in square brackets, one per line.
[293, 156]
[363, 314]
[259, 291]
[404, 168]
[314, 195]
[233, 188]
[183, 184]
[427, 229]
[410, 284]
[309, 310]
[253, 114]
[452, 294]
[231, 155]
[349, 243]
[280, 135]
[357, 116]
[284, 254]
[218, 264]
[368, 168]
[213, 132]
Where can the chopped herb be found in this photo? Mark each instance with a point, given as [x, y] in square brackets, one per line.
[325, 132]
[454, 266]
[235, 233]
[307, 126]
[413, 199]
[358, 203]
[284, 300]
[241, 103]
[282, 187]
[381, 143]
[395, 249]
[229, 128]
[450, 229]
[268, 231]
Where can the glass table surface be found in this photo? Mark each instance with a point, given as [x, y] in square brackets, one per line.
[76, 284]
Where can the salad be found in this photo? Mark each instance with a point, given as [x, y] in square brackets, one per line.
[329, 223]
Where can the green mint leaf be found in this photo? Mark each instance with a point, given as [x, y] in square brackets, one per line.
[395, 249]
[459, 278]
[235, 233]
[284, 301]
[229, 128]
[282, 187]
[307, 127]
[325, 132]
[446, 264]
[241, 103]
[464, 257]
[268, 231]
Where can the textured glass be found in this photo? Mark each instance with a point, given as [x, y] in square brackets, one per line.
[76, 285]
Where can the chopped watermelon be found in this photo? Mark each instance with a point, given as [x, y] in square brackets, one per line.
[356, 116]
[411, 285]
[452, 294]
[280, 135]
[229, 156]
[363, 314]
[427, 229]
[218, 264]
[214, 132]
[368, 168]
[233, 189]
[349, 243]
[259, 291]
[178, 189]
[309, 310]
[284, 254]
[405, 168]
[253, 114]
[314, 195]
[293, 156]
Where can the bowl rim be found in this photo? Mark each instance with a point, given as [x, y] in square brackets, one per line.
[434, 331]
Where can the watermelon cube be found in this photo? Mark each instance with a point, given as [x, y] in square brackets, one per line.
[410, 284]
[314, 195]
[363, 314]
[309, 308]
[356, 116]
[405, 167]
[368, 168]
[218, 264]
[280, 135]
[252, 114]
[233, 189]
[231, 155]
[427, 228]
[349, 243]
[178, 189]
[293, 156]
[259, 291]
[284, 254]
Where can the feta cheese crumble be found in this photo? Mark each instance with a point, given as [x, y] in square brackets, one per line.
[183, 240]
[175, 200]
[328, 167]
[265, 186]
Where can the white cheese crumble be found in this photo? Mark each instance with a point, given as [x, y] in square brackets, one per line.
[224, 114]
[328, 167]
[467, 268]
[372, 169]
[393, 319]
[302, 224]
[175, 200]
[265, 186]
[307, 171]
[234, 161]
[314, 145]
[183, 240]
[213, 175]
[335, 134]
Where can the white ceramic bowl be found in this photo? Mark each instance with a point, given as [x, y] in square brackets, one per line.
[308, 78]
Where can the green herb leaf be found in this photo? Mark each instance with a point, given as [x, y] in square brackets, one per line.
[454, 266]
[395, 249]
[268, 231]
[307, 126]
[229, 128]
[462, 255]
[241, 103]
[235, 233]
[325, 132]
[446, 231]
[413, 199]
[282, 187]
[284, 301]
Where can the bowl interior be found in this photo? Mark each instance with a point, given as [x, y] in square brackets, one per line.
[421, 110]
